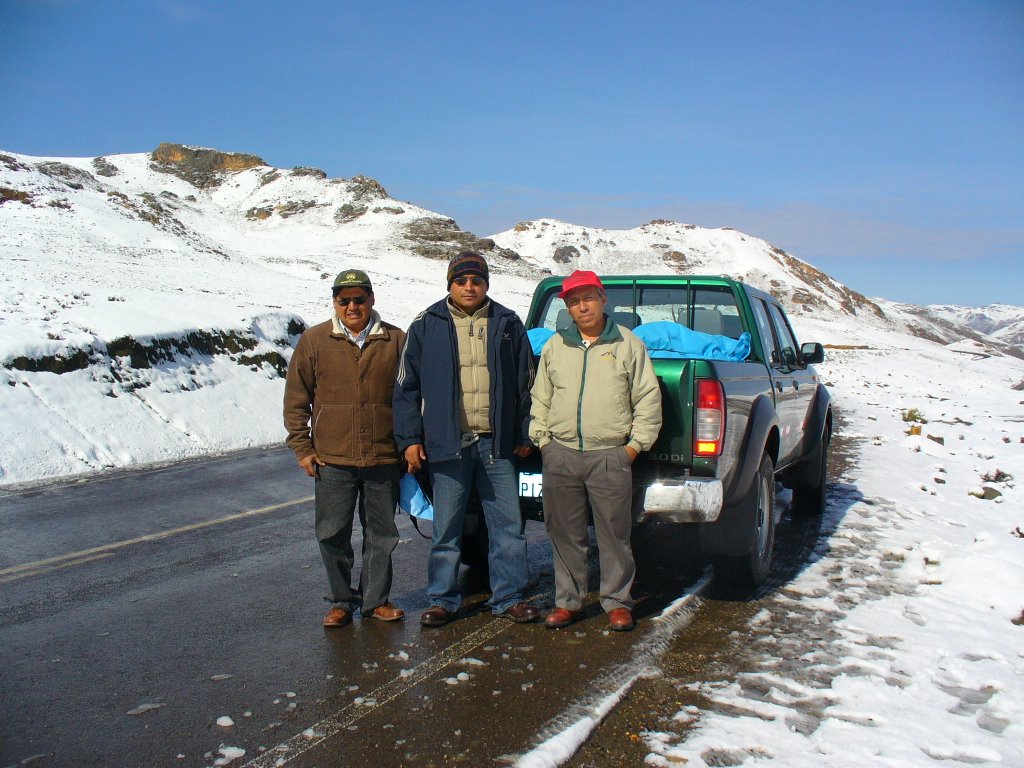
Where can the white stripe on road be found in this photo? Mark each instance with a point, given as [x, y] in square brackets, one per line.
[320, 732]
[47, 568]
[84, 555]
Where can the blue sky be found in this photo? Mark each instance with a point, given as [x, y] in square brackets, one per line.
[880, 141]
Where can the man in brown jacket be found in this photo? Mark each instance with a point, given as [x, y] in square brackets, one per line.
[340, 379]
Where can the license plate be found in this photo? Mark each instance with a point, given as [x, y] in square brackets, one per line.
[530, 484]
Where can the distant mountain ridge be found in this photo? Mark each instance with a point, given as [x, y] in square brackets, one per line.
[1000, 321]
[666, 247]
[182, 202]
[232, 183]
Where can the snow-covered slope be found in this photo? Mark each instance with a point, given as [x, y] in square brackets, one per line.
[261, 235]
[667, 247]
[149, 302]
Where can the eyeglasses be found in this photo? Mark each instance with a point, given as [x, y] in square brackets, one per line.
[359, 300]
[478, 281]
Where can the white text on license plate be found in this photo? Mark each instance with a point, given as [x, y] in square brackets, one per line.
[530, 484]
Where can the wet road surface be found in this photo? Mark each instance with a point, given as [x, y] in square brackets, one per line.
[140, 608]
[137, 609]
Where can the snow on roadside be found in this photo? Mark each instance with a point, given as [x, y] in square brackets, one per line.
[913, 644]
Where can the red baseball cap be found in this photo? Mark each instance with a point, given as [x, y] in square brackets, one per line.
[579, 279]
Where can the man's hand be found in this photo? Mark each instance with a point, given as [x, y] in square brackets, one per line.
[310, 463]
[414, 457]
[632, 454]
[522, 451]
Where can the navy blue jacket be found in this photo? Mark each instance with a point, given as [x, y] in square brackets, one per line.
[427, 391]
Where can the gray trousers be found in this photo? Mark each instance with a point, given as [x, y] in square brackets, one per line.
[603, 478]
[338, 489]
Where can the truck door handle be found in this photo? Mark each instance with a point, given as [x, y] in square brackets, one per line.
[778, 385]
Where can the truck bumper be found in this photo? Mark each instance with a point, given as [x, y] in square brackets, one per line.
[691, 500]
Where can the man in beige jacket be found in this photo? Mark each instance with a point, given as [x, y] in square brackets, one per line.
[596, 406]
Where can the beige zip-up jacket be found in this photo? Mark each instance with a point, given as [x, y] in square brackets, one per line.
[474, 378]
[597, 397]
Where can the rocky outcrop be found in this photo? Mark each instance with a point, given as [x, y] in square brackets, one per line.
[104, 167]
[440, 238]
[8, 195]
[316, 173]
[850, 301]
[292, 207]
[122, 356]
[349, 212]
[566, 254]
[202, 168]
[12, 164]
[675, 259]
[69, 175]
[364, 189]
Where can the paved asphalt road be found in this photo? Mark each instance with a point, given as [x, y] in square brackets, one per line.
[138, 608]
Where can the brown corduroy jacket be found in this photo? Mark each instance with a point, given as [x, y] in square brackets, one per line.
[344, 392]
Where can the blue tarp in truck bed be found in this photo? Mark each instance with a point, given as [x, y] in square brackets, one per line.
[668, 340]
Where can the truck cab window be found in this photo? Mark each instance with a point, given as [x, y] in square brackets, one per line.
[656, 304]
[764, 327]
[785, 336]
[714, 311]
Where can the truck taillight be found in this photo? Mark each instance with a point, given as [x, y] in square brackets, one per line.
[709, 426]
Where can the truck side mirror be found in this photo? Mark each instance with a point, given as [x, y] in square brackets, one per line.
[812, 352]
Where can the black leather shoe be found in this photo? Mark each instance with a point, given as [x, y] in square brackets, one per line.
[522, 613]
[436, 616]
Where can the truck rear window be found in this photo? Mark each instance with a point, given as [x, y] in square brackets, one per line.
[708, 309]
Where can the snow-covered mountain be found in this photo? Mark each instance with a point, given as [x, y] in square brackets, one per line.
[1000, 321]
[166, 290]
[666, 247]
[224, 223]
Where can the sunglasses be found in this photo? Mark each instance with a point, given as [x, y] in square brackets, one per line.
[463, 280]
[359, 300]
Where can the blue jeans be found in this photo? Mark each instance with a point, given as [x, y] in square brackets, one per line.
[497, 486]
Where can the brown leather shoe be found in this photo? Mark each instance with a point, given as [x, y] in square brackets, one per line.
[338, 616]
[522, 613]
[621, 620]
[560, 618]
[436, 616]
[385, 612]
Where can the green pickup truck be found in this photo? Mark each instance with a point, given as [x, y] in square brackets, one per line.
[731, 428]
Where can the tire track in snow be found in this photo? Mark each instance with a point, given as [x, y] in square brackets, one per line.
[564, 734]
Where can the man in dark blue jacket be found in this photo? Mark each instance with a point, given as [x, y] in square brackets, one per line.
[462, 406]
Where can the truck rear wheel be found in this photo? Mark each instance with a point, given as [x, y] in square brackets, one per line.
[809, 494]
[749, 571]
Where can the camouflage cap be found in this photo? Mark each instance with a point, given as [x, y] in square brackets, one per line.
[352, 278]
